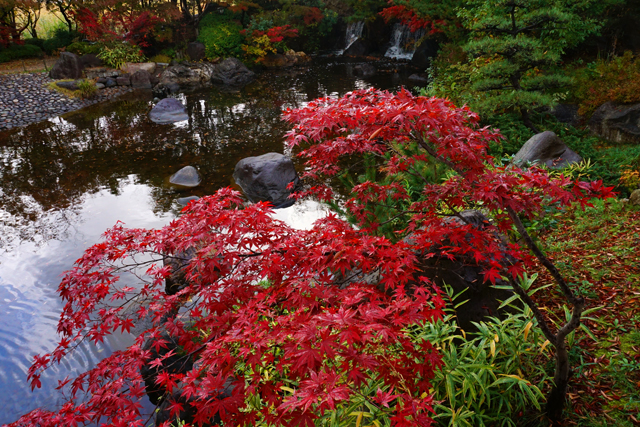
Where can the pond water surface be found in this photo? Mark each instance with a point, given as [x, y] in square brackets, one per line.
[64, 181]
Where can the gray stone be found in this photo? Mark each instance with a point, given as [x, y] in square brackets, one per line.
[186, 177]
[265, 178]
[110, 83]
[617, 123]
[566, 113]
[196, 51]
[141, 80]
[546, 148]
[232, 72]
[67, 67]
[184, 201]
[124, 80]
[73, 85]
[168, 110]
[634, 199]
[149, 67]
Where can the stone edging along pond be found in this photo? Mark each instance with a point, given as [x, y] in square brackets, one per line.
[25, 99]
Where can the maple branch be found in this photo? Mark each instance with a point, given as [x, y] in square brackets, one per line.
[542, 322]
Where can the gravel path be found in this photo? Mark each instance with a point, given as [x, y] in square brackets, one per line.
[24, 99]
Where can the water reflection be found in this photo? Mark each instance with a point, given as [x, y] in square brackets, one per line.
[65, 180]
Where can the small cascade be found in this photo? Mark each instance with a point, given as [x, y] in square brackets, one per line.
[403, 42]
[354, 32]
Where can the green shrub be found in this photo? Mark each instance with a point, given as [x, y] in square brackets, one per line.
[83, 48]
[161, 59]
[62, 37]
[14, 52]
[35, 42]
[117, 54]
[87, 88]
[221, 35]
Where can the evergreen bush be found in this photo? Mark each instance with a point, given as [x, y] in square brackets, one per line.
[220, 34]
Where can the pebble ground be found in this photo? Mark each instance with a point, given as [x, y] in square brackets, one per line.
[25, 99]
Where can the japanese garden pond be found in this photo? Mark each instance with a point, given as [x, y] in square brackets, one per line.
[64, 181]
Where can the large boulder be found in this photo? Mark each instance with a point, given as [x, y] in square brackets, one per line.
[90, 60]
[566, 113]
[196, 51]
[168, 110]
[265, 178]
[358, 48]
[546, 148]
[141, 80]
[186, 177]
[67, 67]
[232, 72]
[465, 277]
[618, 123]
[634, 198]
[427, 50]
[187, 76]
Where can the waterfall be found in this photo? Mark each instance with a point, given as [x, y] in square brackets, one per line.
[354, 32]
[403, 42]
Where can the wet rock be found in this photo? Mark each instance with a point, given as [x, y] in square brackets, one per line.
[364, 70]
[357, 48]
[141, 80]
[265, 178]
[546, 148]
[618, 123]
[232, 72]
[187, 176]
[184, 201]
[67, 67]
[196, 51]
[179, 262]
[427, 50]
[168, 110]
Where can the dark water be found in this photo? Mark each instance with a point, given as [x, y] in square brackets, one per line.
[66, 180]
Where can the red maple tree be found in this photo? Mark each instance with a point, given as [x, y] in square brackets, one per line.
[266, 311]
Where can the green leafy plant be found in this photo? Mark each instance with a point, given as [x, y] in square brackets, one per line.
[87, 88]
[83, 48]
[117, 54]
[220, 34]
[14, 52]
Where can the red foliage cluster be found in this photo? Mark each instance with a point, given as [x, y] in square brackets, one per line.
[313, 15]
[134, 26]
[304, 331]
[409, 18]
[275, 34]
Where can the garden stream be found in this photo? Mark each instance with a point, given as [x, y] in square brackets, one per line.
[64, 181]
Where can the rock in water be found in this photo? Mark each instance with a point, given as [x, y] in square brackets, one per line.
[546, 148]
[184, 201]
[232, 72]
[265, 178]
[168, 110]
[364, 70]
[187, 177]
[67, 67]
